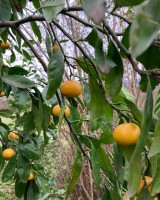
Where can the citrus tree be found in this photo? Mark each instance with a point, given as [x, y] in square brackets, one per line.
[50, 87]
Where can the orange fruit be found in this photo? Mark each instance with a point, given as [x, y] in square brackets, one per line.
[57, 110]
[126, 134]
[5, 45]
[31, 176]
[13, 135]
[8, 153]
[148, 181]
[71, 88]
[2, 94]
[55, 48]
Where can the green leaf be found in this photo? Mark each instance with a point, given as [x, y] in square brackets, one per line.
[6, 113]
[144, 82]
[33, 191]
[155, 146]
[19, 188]
[134, 110]
[95, 166]
[86, 66]
[5, 12]
[36, 30]
[37, 5]
[28, 122]
[122, 3]
[42, 183]
[20, 96]
[75, 173]
[51, 8]
[157, 105]
[74, 117]
[145, 27]
[13, 57]
[37, 110]
[104, 62]
[156, 180]
[106, 136]
[17, 70]
[2, 161]
[18, 81]
[150, 58]
[99, 108]
[55, 73]
[135, 162]
[118, 163]
[49, 44]
[26, 54]
[29, 151]
[9, 170]
[113, 80]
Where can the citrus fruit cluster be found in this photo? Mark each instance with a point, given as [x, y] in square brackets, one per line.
[70, 88]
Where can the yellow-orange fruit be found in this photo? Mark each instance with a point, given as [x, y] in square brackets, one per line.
[13, 135]
[55, 48]
[5, 45]
[126, 134]
[71, 88]
[31, 176]
[148, 181]
[57, 110]
[2, 94]
[8, 153]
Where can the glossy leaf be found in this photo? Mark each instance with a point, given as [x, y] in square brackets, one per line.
[17, 70]
[86, 66]
[104, 62]
[99, 108]
[135, 162]
[106, 135]
[145, 27]
[113, 80]
[28, 122]
[51, 8]
[20, 96]
[155, 146]
[9, 170]
[156, 180]
[37, 110]
[19, 188]
[122, 3]
[134, 110]
[55, 73]
[42, 183]
[5, 11]
[5, 113]
[144, 82]
[49, 45]
[150, 58]
[75, 119]
[23, 168]
[18, 81]
[33, 191]
[75, 173]
[29, 151]
[95, 166]
[36, 30]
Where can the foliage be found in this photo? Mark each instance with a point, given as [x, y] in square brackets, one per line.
[31, 74]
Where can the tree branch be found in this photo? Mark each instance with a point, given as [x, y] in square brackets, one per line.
[31, 47]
